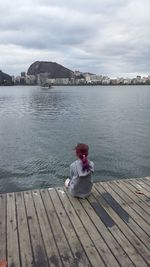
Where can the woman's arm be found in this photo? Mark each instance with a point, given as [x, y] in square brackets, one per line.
[92, 166]
[71, 171]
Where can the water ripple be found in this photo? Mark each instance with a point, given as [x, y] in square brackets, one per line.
[39, 129]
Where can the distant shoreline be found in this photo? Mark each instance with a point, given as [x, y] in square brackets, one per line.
[54, 85]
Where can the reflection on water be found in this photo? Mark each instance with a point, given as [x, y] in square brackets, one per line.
[47, 103]
[39, 128]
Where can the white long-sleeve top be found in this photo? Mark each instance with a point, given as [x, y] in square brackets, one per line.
[81, 181]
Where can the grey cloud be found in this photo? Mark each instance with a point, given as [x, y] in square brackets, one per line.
[96, 6]
[97, 36]
[44, 30]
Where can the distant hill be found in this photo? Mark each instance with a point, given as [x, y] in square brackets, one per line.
[54, 70]
[5, 79]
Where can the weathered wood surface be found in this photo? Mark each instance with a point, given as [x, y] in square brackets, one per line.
[47, 227]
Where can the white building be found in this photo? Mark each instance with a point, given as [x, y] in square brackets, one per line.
[106, 80]
[127, 81]
[63, 81]
[30, 79]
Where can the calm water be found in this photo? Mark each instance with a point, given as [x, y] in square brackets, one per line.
[40, 127]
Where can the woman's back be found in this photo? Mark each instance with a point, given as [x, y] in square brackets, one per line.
[81, 181]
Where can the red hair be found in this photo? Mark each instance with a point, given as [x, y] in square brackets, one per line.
[82, 153]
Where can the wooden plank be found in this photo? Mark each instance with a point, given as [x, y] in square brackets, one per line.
[147, 183]
[96, 202]
[13, 253]
[3, 254]
[40, 257]
[135, 222]
[136, 203]
[140, 188]
[24, 235]
[143, 182]
[140, 184]
[95, 236]
[80, 257]
[147, 180]
[83, 235]
[110, 240]
[48, 237]
[137, 258]
[132, 203]
[123, 220]
[65, 253]
[50, 228]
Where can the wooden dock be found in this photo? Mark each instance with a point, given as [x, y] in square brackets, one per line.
[47, 227]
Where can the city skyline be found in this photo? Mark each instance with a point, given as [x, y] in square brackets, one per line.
[103, 37]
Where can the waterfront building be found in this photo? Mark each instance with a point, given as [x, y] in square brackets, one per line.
[30, 79]
[114, 81]
[106, 80]
[62, 81]
[23, 74]
[17, 79]
[41, 78]
[127, 81]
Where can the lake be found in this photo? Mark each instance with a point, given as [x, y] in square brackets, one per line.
[40, 127]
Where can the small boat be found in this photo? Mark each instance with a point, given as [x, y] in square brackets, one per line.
[46, 85]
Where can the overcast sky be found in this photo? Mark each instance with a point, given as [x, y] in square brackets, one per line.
[108, 37]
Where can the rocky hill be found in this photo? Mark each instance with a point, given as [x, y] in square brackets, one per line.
[53, 70]
[5, 79]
